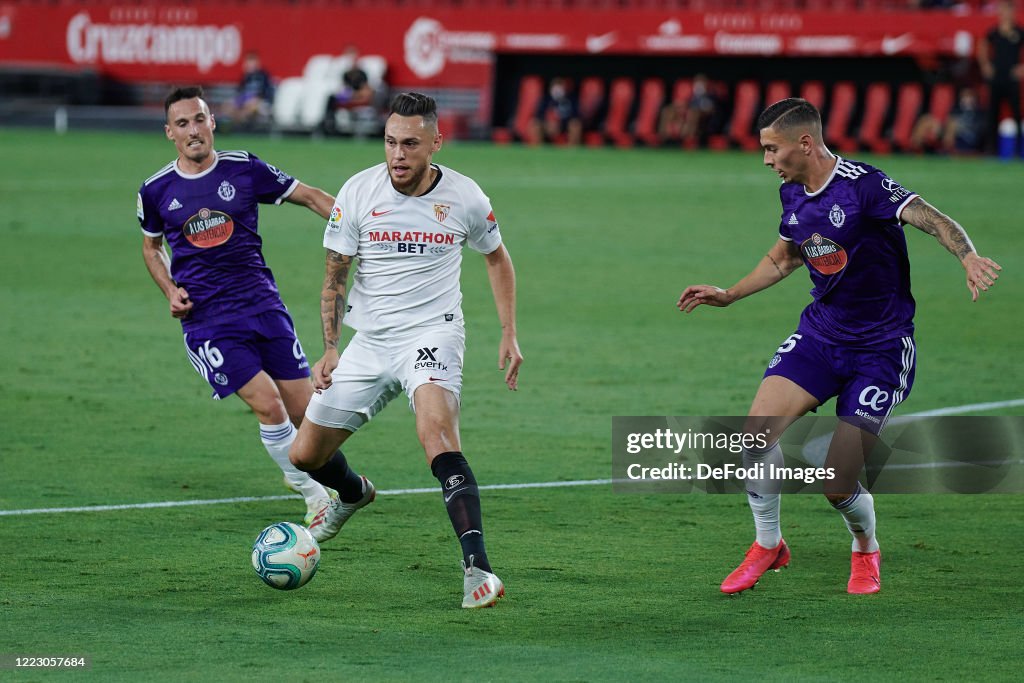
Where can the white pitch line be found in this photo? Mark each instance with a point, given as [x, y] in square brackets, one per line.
[938, 412]
[255, 499]
[970, 408]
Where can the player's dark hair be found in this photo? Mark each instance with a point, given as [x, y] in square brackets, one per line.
[790, 114]
[179, 94]
[415, 104]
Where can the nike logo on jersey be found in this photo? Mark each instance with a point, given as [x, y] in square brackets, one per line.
[376, 213]
[436, 379]
[175, 204]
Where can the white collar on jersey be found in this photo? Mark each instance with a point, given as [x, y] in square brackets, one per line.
[193, 176]
[828, 182]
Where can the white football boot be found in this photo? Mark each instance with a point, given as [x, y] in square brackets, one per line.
[314, 504]
[482, 589]
[327, 522]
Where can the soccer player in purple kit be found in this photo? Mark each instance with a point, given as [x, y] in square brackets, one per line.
[238, 334]
[844, 220]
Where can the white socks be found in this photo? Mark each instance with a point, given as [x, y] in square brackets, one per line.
[858, 512]
[277, 439]
[763, 495]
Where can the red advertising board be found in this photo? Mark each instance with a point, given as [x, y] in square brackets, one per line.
[442, 47]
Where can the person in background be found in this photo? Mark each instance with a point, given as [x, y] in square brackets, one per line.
[999, 59]
[356, 93]
[255, 93]
[962, 133]
[558, 116]
[690, 121]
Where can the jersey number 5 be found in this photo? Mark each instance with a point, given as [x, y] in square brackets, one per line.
[790, 343]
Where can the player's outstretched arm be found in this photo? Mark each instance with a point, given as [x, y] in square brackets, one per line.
[781, 260]
[159, 266]
[982, 272]
[313, 198]
[332, 310]
[503, 285]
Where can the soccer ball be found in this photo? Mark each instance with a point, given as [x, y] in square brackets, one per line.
[285, 556]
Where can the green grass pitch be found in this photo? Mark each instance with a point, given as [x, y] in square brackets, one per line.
[99, 406]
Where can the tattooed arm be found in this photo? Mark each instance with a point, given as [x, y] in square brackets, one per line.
[781, 260]
[982, 272]
[332, 310]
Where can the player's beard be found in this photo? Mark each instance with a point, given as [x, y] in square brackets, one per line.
[197, 154]
[410, 181]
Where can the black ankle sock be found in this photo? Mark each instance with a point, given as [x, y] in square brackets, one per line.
[462, 499]
[336, 474]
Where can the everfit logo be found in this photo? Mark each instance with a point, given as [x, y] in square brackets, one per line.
[454, 481]
[426, 360]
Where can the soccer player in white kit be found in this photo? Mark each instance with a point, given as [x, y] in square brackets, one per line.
[406, 220]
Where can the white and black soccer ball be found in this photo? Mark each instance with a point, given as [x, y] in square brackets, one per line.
[285, 556]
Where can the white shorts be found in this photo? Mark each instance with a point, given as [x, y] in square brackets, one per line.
[374, 370]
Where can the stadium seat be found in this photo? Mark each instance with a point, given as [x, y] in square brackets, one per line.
[813, 92]
[840, 112]
[682, 90]
[943, 98]
[876, 109]
[741, 127]
[531, 91]
[717, 126]
[321, 79]
[620, 105]
[652, 95]
[287, 103]
[375, 67]
[591, 105]
[777, 90]
[908, 106]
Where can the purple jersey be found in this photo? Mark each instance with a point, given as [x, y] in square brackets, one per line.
[852, 242]
[210, 222]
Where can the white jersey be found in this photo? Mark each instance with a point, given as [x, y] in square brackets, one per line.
[409, 248]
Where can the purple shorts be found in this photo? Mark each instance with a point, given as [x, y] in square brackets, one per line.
[869, 381]
[228, 355]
